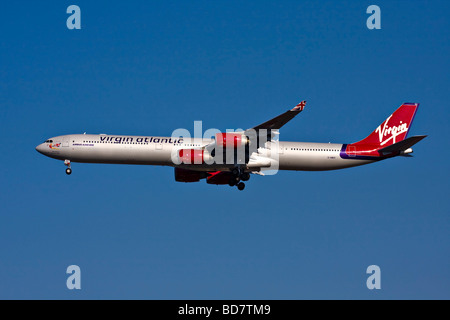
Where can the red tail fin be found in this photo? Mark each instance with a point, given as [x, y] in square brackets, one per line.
[393, 129]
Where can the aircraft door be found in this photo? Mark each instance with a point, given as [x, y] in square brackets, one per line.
[280, 148]
[65, 141]
[158, 144]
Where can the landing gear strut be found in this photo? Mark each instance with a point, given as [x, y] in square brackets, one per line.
[238, 177]
[68, 170]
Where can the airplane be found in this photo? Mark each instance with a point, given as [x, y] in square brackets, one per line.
[230, 158]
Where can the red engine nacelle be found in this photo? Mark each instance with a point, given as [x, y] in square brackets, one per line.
[184, 175]
[219, 177]
[193, 156]
[234, 140]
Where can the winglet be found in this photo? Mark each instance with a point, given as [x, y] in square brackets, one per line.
[300, 106]
[282, 119]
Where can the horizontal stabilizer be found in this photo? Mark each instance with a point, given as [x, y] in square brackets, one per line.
[402, 145]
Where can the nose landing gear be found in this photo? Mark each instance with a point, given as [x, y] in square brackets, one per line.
[68, 170]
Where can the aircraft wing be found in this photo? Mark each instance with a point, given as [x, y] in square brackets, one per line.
[275, 123]
[282, 119]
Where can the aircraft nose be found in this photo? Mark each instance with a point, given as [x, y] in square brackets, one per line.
[40, 148]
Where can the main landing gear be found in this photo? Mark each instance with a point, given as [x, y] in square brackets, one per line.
[238, 177]
[69, 169]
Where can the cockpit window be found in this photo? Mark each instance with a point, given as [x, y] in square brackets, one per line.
[48, 141]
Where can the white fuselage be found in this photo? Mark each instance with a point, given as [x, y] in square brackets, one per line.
[151, 150]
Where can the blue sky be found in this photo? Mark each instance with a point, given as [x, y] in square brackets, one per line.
[149, 67]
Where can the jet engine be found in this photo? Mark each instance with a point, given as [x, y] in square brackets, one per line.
[231, 139]
[194, 156]
[185, 175]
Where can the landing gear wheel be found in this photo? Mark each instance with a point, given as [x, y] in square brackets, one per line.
[241, 186]
[67, 163]
[245, 176]
[235, 171]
